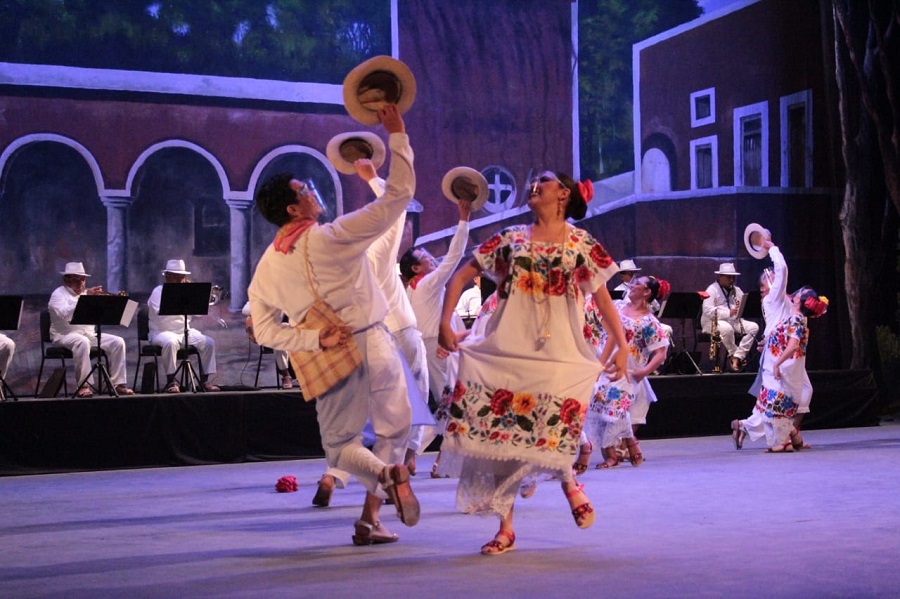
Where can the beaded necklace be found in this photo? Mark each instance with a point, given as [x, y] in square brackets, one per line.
[542, 308]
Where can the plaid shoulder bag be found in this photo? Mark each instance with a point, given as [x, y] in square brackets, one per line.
[320, 370]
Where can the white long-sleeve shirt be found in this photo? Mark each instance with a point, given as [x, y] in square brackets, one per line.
[720, 304]
[382, 255]
[172, 323]
[343, 276]
[469, 304]
[776, 305]
[62, 306]
[427, 297]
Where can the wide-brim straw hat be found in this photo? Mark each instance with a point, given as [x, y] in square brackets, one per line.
[378, 81]
[74, 268]
[176, 267]
[461, 179]
[628, 266]
[345, 148]
[754, 235]
[727, 268]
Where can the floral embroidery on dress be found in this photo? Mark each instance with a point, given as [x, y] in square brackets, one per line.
[542, 269]
[611, 402]
[794, 327]
[539, 421]
[774, 403]
[771, 402]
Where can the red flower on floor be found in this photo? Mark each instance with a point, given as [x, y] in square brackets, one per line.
[286, 484]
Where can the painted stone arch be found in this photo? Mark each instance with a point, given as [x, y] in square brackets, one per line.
[658, 164]
[304, 163]
[178, 210]
[51, 213]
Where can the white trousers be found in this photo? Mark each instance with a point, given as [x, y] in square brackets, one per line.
[377, 391]
[282, 361]
[726, 330]
[80, 345]
[172, 342]
[413, 348]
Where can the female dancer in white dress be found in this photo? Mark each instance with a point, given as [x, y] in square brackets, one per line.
[785, 383]
[609, 415]
[519, 403]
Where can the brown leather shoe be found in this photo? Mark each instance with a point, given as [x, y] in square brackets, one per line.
[395, 481]
[322, 497]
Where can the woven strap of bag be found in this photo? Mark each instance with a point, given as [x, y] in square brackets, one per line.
[309, 270]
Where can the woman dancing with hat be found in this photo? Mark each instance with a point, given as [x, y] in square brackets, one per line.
[609, 419]
[520, 399]
[785, 383]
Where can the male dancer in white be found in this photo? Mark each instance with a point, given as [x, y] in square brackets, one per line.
[343, 277]
[401, 321]
[426, 282]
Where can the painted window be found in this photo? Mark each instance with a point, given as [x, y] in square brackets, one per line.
[703, 107]
[796, 139]
[705, 162]
[751, 145]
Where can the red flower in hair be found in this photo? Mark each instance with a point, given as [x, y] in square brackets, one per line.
[286, 484]
[816, 306]
[664, 289]
[586, 188]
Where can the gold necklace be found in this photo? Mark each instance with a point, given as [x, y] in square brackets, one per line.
[542, 307]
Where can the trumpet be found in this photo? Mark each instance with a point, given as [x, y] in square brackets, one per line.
[215, 294]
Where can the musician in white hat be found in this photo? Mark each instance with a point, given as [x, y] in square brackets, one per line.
[80, 338]
[627, 270]
[723, 302]
[168, 332]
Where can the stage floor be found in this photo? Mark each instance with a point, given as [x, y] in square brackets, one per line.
[697, 519]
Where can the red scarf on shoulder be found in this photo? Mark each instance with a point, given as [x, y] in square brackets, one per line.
[413, 282]
[287, 236]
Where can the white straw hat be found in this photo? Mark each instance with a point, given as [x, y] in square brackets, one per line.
[345, 148]
[628, 266]
[74, 268]
[464, 181]
[176, 267]
[727, 268]
[754, 234]
[378, 81]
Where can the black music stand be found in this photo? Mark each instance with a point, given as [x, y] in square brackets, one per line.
[682, 306]
[99, 310]
[751, 306]
[185, 299]
[751, 309]
[10, 319]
